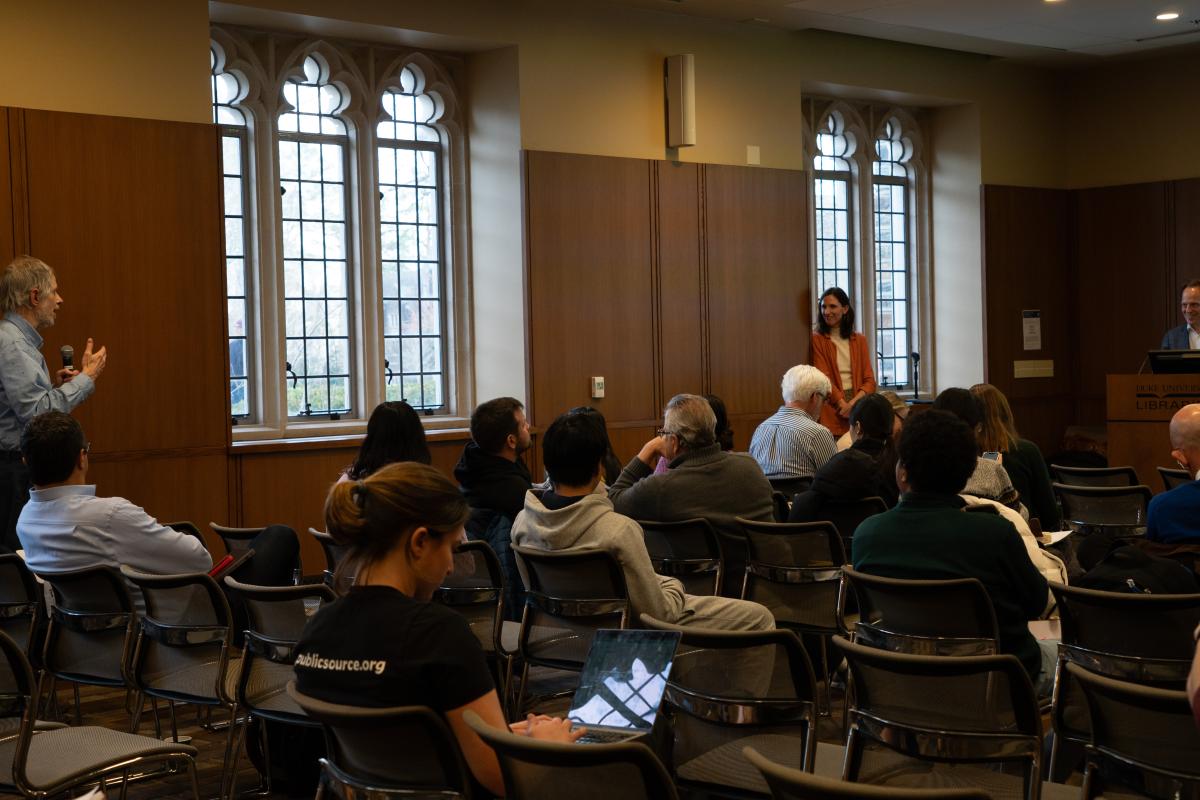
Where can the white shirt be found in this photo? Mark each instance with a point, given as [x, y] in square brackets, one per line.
[1193, 339]
[68, 527]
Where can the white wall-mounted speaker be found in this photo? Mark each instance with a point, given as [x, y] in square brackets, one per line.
[681, 100]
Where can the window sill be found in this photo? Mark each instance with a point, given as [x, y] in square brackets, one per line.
[268, 440]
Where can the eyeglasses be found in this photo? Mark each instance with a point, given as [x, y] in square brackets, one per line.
[87, 447]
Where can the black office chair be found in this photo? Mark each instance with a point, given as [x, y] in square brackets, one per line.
[1094, 476]
[688, 550]
[1173, 477]
[1117, 509]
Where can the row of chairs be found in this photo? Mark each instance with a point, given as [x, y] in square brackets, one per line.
[1115, 476]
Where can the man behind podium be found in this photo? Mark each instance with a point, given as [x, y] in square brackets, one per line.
[1187, 335]
[1174, 516]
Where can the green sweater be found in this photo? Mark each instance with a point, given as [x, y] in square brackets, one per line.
[929, 536]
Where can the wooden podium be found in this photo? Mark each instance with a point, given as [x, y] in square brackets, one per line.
[1140, 408]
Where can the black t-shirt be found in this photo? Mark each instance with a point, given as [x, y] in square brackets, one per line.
[377, 647]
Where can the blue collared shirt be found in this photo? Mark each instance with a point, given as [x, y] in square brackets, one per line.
[25, 387]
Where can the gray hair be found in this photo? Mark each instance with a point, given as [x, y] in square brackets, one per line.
[22, 276]
[691, 419]
[802, 381]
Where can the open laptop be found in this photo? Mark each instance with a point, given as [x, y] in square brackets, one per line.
[622, 684]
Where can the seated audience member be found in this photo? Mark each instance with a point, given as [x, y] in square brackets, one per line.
[929, 536]
[989, 480]
[1021, 458]
[867, 469]
[575, 513]
[702, 481]
[791, 443]
[899, 414]
[65, 526]
[494, 481]
[724, 432]
[394, 433]
[490, 470]
[1174, 516]
[402, 524]
[612, 465]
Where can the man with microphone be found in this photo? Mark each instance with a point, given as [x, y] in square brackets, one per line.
[29, 300]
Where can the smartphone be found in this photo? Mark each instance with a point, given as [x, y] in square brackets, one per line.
[992, 455]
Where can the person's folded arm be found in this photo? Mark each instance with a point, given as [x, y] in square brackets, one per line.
[149, 546]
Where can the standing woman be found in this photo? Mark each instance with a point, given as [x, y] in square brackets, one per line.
[841, 353]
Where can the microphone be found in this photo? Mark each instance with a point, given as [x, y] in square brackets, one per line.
[68, 356]
[916, 359]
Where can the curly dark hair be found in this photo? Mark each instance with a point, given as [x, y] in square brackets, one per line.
[937, 451]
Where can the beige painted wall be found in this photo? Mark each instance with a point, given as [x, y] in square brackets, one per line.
[127, 58]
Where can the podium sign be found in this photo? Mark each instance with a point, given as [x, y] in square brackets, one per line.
[1143, 398]
[1140, 408]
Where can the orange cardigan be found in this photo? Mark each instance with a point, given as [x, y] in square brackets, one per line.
[823, 356]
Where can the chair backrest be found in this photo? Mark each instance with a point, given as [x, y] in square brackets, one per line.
[92, 626]
[794, 569]
[573, 593]
[1094, 476]
[1118, 506]
[19, 599]
[187, 625]
[363, 742]
[1149, 729]
[930, 617]
[475, 589]
[334, 553]
[952, 694]
[726, 686]
[847, 516]
[789, 487]
[1173, 477]
[792, 784]
[275, 616]
[538, 770]
[236, 540]
[688, 550]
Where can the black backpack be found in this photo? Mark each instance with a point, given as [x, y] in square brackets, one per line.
[1124, 567]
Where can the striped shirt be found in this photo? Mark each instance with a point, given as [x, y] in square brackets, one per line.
[791, 444]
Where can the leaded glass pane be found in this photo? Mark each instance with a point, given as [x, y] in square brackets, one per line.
[891, 213]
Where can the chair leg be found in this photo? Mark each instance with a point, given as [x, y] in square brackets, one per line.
[521, 690]
[174, 725]
[157, 721]
[854, 754]
[124, 784]
[191, 766]
[78, 710]
[1033, 778]
[229, 743]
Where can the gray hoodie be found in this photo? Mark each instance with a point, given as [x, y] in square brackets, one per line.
[592, 522]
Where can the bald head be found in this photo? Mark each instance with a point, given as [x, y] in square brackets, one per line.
[1185, 437]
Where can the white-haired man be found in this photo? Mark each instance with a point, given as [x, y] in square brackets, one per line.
[791, 443]
[1174, 516]
[29, 300]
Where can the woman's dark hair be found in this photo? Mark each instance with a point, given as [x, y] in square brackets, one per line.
[379, 513]
[394, 433]
[724, 432]
[937, 451]
[962, 404]
[847, 326]
[875, 415]
[612, 466]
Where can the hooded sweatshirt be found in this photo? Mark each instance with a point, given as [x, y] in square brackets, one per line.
[591, 522]
[492, 482]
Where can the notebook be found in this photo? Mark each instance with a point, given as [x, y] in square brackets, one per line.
[622, 684]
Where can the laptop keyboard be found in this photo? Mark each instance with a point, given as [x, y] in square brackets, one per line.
[605, 737]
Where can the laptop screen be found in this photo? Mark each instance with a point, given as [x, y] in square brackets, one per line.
[624, 678]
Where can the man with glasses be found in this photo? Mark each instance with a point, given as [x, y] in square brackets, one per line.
[702, 481]
[29, 300]
[1187, 335]
[791, 443]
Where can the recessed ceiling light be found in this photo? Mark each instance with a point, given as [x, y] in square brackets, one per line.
[1170, 15]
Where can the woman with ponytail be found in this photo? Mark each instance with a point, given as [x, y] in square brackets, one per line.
[382, 643]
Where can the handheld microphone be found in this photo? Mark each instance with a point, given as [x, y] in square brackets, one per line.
[68, 356]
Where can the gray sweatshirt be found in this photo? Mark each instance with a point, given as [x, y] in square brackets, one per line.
[592, 522]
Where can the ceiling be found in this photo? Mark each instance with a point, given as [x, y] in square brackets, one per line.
[1026, 30]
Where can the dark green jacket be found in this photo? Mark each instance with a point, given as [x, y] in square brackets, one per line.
[929, 536]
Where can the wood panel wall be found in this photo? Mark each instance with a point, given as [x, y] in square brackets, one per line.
[1027, 261]
[8, 247]
[663, 278]
[1105, 266]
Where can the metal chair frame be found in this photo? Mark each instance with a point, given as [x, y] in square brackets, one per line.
[1135, 491]
[942, 744]
[333, 552]
[1094, 476]
[687, 569]
[1106, 765]
[598, 612]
